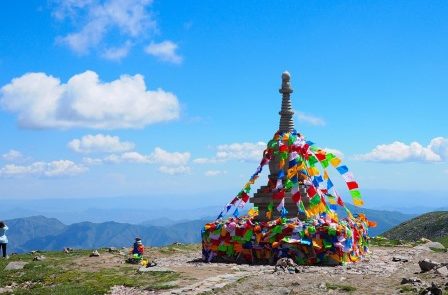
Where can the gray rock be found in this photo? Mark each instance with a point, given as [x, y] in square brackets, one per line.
[112, 249]
[427, 265]
[95, 253]
[435, 245]
[15, 265]
[399, 259]
[413, 281]
[442, 271]
[154, 269]
[39, 258]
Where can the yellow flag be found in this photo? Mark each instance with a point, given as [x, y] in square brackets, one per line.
[335, 162]
[358, 203]
[325, 174]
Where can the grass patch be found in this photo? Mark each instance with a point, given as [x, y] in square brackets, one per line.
[59, 275]
[343, 288]
[443, 241]
[408, 289]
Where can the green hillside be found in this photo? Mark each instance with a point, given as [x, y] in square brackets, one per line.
[433, 226]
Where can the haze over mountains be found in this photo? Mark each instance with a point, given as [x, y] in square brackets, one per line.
[174, 208]
[42, 233]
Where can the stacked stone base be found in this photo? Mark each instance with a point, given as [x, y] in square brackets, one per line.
[317, 241]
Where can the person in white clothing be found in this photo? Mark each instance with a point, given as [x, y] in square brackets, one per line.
[3, 238]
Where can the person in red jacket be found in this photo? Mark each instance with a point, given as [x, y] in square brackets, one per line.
[138, 248]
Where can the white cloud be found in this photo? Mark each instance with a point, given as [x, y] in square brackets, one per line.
[91, 161]
[166, 158]
[212, 173]
[175, 170]
[436, 151]
[439, 145]
[316, 121]
[206, 160]
[100, 143]
[47, 169]
[98, 20]
[117, 53]
[12, 156]
[251, 152]
[165, 51]
[42, 101]
[169, 162]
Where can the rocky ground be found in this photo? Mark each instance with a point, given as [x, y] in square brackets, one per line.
[386, 270]
[179, 270]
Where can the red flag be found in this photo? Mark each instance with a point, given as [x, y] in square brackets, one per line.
[352, 185]
[244, 197]
[340, 202]
[234, 201]
[279, 195]
[296, 197]
[320, 157]
[311, 191]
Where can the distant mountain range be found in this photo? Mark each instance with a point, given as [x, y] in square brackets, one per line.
[41, 233]
[433, 226]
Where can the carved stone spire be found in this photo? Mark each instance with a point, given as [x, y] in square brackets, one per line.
[286, 114]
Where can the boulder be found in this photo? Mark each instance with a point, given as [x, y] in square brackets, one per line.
[39, 258]
[433, 290]
[400, 259]
[427, 265]
[435, 246]
[442, 271]
[94, 253]
[15, 265]
[413, 281]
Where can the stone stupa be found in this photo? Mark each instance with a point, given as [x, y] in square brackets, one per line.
[264, 194]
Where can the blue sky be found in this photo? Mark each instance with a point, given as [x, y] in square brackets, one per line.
[146, 98]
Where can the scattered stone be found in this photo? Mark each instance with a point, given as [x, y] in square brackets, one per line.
[39, 258]
[399, 259]
[413, 281]
[432, 290]
[33, 252]
[95, 253]
[322, 286]
[427, 265]
[442, 271]
[68, 250]
[154, 269]
[112, 249]
[15, 265]
[178, 244]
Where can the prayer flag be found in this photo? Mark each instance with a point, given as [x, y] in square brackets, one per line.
[342, 169]
[352, 185]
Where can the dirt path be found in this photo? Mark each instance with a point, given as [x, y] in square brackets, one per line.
[376, 274]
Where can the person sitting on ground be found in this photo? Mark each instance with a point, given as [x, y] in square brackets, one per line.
[3, 238]
[286, 263]
[138, 248]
